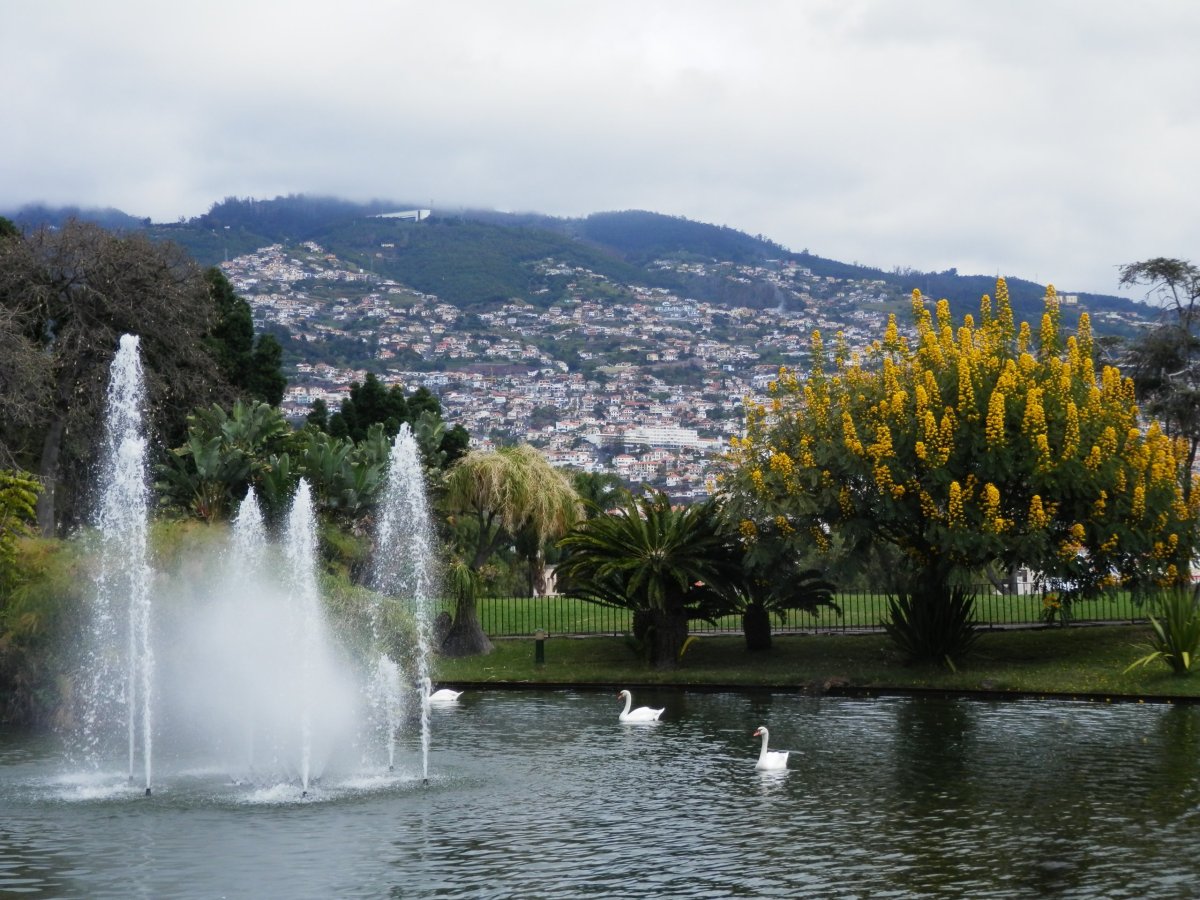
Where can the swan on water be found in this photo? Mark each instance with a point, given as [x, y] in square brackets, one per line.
[769, 759]
[641, 714]
[442, 695]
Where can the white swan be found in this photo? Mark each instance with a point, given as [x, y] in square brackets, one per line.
[769, 759]
[641, 714]
[442, 695]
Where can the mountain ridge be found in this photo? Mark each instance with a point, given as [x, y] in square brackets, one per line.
[477, 258]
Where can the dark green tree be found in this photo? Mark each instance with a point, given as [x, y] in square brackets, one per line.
[370, 403]
[599, 491]
[73, 292]
[318, 415]
[253, 366]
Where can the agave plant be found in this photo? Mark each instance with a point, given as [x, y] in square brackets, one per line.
[1174, 631]
[934, 623]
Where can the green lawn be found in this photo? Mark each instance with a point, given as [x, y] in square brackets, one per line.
[1079, 660]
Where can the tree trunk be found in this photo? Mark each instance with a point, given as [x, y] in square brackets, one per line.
[48, 470]
[537, 576]
[756, 626]
[669, 632]
[466, 637]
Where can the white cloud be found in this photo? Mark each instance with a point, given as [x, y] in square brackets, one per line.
[1049, 140]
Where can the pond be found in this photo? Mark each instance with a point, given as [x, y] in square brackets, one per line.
[545, 794]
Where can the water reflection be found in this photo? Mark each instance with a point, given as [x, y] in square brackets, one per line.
[547, 794]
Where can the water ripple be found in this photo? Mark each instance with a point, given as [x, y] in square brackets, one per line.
[545, 794]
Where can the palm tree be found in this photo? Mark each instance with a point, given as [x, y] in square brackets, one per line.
[666, 564]
[599, 491]
[505, 492]
[762, 591]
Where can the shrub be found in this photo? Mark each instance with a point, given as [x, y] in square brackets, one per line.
[1175, 631]
[934, 625]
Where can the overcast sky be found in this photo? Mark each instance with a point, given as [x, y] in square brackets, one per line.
[1040, 139]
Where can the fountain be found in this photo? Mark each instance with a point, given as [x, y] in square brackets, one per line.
[118, 685]
[255, 684]
[404, 569]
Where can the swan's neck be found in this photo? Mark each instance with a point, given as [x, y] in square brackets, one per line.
[762, 754]
[628, 703]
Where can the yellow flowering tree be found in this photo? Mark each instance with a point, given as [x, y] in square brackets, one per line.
[970, 444]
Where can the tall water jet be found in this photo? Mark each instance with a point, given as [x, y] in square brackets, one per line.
[305, 600]
[119, 673]
[404, 565]
[248, 566]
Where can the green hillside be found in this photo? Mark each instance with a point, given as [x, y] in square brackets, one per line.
[478, 258]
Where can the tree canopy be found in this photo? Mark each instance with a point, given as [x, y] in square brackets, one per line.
[370, 403]
[502, 493]
[989, 444]
[1164, 361]
[68, 294]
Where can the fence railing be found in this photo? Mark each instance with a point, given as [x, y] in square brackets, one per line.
[861, 611]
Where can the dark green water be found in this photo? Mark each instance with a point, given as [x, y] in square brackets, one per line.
[544, 794]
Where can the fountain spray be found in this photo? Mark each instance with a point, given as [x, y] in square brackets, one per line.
[119, 675]
[404, 566]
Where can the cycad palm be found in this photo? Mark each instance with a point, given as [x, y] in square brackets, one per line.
[649, 557]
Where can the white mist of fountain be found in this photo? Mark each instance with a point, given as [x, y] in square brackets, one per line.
[404, 567]
[118, 681]
[249, 680]
[255, 682]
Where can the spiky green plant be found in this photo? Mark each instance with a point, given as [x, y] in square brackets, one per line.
[1174, 631]
[936, 624]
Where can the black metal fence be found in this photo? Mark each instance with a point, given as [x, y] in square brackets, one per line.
[860, 611]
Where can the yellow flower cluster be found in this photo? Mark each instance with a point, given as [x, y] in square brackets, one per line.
[819, 538]
[1137, 508]
[991, 508]
[966, 390]
[804, 454]
[1166, 549]
[850, 435]
[781, 463]
[995, 420]
[1038, 518]
[756, 479]
[1070, 445]
[748, 529]
[845, 501]
[885, 483]
[1034, 422]
[882, 448]
[954, 512]
[784, 526]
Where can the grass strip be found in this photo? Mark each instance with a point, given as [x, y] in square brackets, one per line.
[1079, 660]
